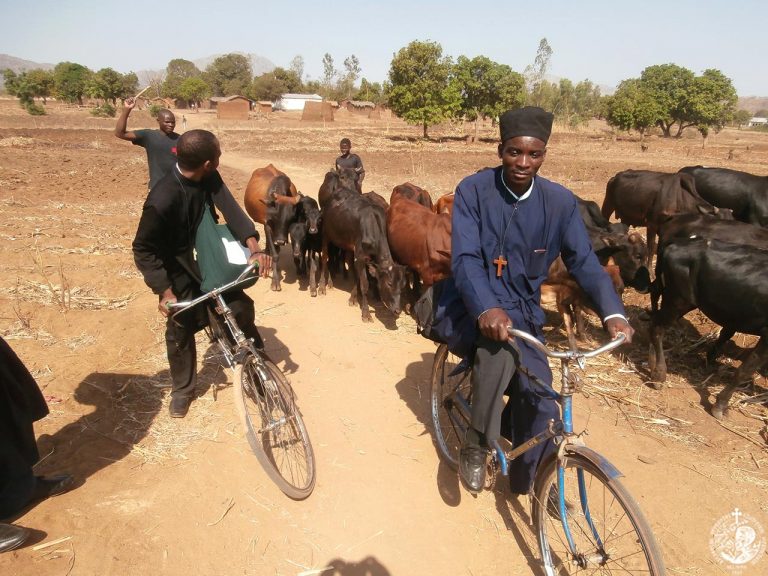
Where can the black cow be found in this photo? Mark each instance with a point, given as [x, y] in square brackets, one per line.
[729, 284]
[306, 240]
[354, 223]
[708, 228]
[592, 217]
[647, 198]
[613, 240]
[744, 193]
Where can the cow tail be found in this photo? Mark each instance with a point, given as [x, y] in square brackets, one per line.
[608, 207]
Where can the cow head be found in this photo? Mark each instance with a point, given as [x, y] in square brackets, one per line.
[391, 279]
[629, 253]
[721, 213]
[297, 232]
[281, 208]
[309, 211]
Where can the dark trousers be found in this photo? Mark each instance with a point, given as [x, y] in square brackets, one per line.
[494, 374]
[21, 404]
[180, 342]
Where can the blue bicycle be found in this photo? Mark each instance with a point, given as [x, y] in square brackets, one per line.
[586, 521]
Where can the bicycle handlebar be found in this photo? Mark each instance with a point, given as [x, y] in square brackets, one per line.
[180, 307]
[569, 354]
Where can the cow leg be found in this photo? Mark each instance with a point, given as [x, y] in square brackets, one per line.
[725, 335]
[567, 314]
[651, 240]
[362, 285]
[312, 273]
[743, 375]
[274, 251]
[324, 277]
[656, 361]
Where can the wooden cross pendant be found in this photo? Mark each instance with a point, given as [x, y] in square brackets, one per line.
[500, 263]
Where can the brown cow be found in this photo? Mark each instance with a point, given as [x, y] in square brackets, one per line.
[419, 239]
[270, 199]
[647, 198]
[444, 204]
[415, 193]
[562, 290]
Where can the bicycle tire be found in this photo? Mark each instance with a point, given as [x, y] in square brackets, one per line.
[627, 546]
[274, 426]
[449, 421]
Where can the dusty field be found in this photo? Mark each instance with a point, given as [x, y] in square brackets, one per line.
[162, 496]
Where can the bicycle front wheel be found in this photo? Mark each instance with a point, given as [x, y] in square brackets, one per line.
[609, 532]
[450, 398]
[274, 427]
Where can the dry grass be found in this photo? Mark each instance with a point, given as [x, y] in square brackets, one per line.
[64, 296]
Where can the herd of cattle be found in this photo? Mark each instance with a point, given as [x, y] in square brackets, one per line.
[712, 253]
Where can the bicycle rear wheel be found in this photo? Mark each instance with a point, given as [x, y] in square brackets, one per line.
[274, 427]
[610, 534]
[450, 398]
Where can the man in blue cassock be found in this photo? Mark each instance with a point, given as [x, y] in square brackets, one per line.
[509, 225]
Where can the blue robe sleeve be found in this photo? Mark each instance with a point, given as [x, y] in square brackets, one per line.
[467, 261]
[583, 264]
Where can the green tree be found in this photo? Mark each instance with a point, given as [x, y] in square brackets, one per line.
[575, 104]
[351, 74]
[194, 89]
[742, 117]
[710, 103]
[534, 75]
[71, 81]
[130, 85]
[229, 75]
[176, 72]
[106, 84]
[668, 85]
[268, 87]
[487, 88]
[370, 92]
[297, 67]
[633, 107]
[329, 73]
[422, 91]
[41, 83]
[289, 78]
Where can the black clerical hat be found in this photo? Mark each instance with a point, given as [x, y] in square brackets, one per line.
[527, 121]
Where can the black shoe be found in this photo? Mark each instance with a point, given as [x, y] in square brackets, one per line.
[47, 486]
[472, 465]
[179, 406]
[11, 536]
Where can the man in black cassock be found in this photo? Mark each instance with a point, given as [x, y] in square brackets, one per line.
[509, 225]
[21, 404]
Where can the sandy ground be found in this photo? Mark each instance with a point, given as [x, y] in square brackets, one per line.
[163, 496]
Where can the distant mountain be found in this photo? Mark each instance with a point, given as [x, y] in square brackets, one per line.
[18, 65]
[259, 65]
[753, 103]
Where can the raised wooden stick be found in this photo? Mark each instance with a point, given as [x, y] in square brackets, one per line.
[142, 92]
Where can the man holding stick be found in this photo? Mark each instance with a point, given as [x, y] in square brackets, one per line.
[160, 144]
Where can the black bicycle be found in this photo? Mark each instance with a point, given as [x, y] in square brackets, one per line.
[586, 521]
[265, 400]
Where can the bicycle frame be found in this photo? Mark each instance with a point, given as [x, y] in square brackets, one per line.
[561, 429]
[221, 308]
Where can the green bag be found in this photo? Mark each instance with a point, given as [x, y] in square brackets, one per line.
[220, 256]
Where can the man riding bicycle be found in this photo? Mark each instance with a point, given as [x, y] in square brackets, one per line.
[509, 225]
[163, 252]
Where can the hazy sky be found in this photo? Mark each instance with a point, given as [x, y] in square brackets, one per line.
[601, 40]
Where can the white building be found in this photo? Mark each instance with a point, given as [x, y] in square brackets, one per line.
[296, 101]
[758, 121]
